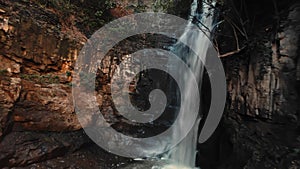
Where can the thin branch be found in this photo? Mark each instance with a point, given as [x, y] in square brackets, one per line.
[236, 39]
[232, 52]
[199, 22]
[209, 4]
[216, 45]
[233, 24]
[238, 14]
[217, 24]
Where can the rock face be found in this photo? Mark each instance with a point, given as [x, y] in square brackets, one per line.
[33, 66]
[260, 128]
[36, 56]
[45, 108]
[39, 43]
[10, 89]
[38, 127]
[263, 84]
[30, 147]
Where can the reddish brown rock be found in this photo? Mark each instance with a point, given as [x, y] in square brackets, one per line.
[24, 148]
[45, 107]
[9, 92]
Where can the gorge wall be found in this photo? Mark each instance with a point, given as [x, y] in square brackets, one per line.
[39, 43]
[260, 126]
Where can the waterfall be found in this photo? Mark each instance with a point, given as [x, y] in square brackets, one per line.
[184, 154]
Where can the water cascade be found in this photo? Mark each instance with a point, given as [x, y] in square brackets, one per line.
[184, 154]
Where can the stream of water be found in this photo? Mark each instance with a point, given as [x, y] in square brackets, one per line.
[184, 154]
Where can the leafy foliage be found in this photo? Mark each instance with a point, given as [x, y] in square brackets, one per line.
[90, 15]
[41, 78]
[94, 14]
[3, 72]
[162, 5]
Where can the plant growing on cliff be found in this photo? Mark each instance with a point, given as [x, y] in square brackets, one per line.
[162, 5]
[68, 73]
[96, 15]
[57, 4]
[43, 79]
[4, 75]
[3, 72]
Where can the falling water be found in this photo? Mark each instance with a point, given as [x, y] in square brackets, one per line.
[184, 154]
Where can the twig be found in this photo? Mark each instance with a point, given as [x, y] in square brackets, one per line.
[236, 39]
[232, 52]
[233, 24]
[199, 22]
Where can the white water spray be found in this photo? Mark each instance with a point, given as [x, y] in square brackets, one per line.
[184, 154]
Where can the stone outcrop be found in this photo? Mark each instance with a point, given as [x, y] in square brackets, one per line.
[263, 83]
[24, 148]
[45, 108]
[38, 126]
[10, 89]
[36, 55]
[260, 127]
[38, 49]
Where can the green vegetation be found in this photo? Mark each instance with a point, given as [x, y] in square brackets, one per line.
[138, 8]
[41, 78]
[89, 15]
[70, 84]
[68, 73]
[62, 5]
[162, 5]
[96, 15]
[4, 75]
[3, 72]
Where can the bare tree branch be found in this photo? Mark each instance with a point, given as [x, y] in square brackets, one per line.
[232, 52]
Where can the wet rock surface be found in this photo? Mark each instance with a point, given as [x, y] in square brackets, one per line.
[37, 119]
[38, 126]
[260, 127]
[9, 93]
[45, 108]
[24, 148]
[89, 156]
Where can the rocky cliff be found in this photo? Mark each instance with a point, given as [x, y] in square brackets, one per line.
[39, 43]
[261, 126]
[37, 53]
